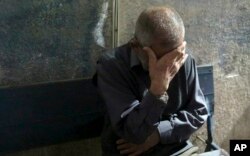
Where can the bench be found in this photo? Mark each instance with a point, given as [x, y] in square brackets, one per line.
[54, 112]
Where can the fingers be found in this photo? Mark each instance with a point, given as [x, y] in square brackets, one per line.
[136, 153]
[182, 47]
[176, 55]
[132, 150]
[128, 150]
[121, 141]
[123, 146]
[179, 50]
[184, 59]
[177, 65]
[180, 61]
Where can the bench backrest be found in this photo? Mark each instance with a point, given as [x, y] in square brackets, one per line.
[48, 113]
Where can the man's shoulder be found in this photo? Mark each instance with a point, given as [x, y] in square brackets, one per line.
[118, 55]
[190, 61]
[189, 67]
[113, 65]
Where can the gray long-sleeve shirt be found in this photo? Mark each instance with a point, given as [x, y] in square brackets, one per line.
[133, 113]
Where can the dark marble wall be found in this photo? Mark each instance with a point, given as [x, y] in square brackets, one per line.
[48, 40]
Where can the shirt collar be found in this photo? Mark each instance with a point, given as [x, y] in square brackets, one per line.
[134, 61]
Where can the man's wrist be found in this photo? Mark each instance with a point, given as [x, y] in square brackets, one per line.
[152, 140]
[163, 96]
[157, 90]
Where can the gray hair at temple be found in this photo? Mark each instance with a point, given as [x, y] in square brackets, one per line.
[155, 21]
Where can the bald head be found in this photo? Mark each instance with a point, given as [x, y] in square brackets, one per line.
[162, 23]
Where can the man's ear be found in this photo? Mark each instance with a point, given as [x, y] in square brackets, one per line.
[135, 43]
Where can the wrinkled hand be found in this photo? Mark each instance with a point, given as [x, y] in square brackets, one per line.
[131, 149]
[163, 70]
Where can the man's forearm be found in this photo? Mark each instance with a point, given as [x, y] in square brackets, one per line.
[140, 122]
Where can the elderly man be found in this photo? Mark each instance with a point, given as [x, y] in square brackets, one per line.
[150, 88]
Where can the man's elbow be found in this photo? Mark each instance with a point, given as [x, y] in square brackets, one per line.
[202, 115]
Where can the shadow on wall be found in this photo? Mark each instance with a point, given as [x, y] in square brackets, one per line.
[242, 126]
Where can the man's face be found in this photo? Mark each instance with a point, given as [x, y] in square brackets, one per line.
[159, 46]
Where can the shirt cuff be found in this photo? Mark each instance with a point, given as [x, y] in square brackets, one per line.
[154, 106]
[165, 131]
